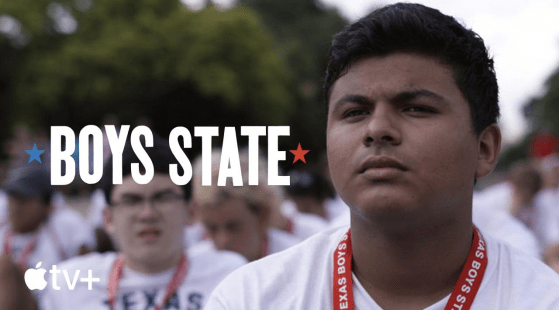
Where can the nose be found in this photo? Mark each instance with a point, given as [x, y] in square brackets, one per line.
[383, 126]
[148, 211]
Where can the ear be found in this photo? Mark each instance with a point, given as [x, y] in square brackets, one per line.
[489, 146]
[108, 220]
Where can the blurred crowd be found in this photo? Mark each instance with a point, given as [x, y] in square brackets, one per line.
[38, 224]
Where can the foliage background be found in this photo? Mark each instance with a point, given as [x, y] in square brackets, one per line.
[73, 63]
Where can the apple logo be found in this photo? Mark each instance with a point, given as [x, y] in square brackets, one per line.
[35, 278]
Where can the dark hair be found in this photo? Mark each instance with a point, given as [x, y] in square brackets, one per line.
[305, 183]
[414, 28]
[160, 155]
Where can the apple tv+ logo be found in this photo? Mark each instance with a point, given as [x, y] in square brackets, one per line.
[35, 278]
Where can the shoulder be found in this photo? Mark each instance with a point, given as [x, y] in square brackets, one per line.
[520, 278]
[305, 267]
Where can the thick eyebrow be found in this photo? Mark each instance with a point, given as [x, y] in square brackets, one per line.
[398, 98]
[130, 195]
[419, 93]
[351, 98]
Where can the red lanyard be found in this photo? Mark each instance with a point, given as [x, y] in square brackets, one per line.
[31, 246]
[172, 287]
[462, 295]
[26, 254]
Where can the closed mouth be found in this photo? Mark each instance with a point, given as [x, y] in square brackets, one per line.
[380, 163]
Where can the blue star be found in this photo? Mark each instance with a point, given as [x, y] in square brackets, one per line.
[34, 154]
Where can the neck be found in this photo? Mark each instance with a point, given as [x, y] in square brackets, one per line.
[411, 269]
[150, 267]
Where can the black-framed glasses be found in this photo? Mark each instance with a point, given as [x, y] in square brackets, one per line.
[159, 201]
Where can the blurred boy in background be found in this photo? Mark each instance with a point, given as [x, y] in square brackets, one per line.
[242, 218]
[35, 232]
[152, 268]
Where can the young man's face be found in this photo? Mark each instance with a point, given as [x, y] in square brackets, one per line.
[26, 213]
[400, 139]
[231, 225]
[147, 220]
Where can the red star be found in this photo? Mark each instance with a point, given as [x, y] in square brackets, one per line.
[299, 154]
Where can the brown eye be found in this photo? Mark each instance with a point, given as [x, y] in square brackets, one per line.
[419, 109]
[354, 112]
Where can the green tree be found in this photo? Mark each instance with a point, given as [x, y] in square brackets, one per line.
[145, 58]
[543, 112]
[303, 30]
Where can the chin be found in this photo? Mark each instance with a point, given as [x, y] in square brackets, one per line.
[153, 255]
[381, 198]
[389, 209]
[149, 250]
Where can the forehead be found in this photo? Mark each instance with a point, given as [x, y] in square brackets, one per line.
[160, 182]
[394, 73]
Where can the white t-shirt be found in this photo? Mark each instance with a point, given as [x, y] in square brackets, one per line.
[136, 290]
[301, 278]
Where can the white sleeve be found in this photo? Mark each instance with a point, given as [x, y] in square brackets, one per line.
[73, 231]
[215, 303]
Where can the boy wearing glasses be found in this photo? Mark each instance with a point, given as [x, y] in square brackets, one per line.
[152, 270]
